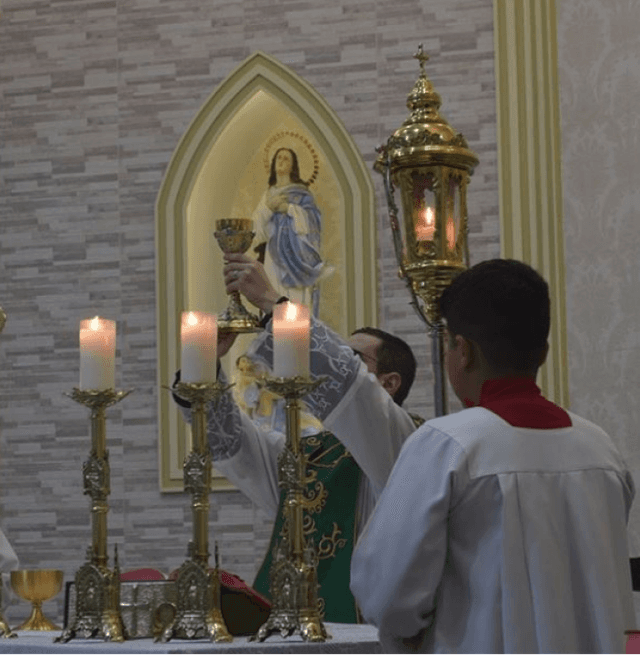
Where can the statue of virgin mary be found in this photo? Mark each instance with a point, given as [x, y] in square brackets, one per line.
[288, 228]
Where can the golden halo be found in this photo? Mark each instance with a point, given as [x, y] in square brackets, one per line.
[307, 157]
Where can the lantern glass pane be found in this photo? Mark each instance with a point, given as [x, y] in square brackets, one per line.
[454, 218]
[423, 205]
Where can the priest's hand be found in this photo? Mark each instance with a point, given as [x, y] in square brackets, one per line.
[247, 275]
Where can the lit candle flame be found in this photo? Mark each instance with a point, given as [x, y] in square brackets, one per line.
[292, 312]
[192, 319]
[425, 228]
[429, 217]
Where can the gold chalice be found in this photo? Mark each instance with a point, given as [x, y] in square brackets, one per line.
[236, 235]
[36, 586]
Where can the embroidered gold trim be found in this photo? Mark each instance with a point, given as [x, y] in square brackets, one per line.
[328, 545]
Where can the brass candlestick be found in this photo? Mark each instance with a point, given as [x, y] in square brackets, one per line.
[293, 575]
[236, 235]
[198, 613]
[97, 587]
[5, 630]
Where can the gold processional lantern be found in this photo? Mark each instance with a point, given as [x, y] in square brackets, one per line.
[431, 164]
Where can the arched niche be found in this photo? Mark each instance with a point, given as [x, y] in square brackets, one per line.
[218, 171]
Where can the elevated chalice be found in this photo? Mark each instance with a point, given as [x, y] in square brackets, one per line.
[37, 586]
[236, 235]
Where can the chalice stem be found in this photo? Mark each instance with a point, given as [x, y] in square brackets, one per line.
[37, 620]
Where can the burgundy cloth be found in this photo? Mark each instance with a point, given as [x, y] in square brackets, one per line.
[244, 609]
[142, 575]
[520, 403]
[231, 581]
[234, 583]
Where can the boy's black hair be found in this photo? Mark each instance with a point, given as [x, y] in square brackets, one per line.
[503, 306]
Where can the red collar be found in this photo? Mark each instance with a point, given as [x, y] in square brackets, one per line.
[520, 403]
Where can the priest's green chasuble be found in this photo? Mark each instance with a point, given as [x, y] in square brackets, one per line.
[331, 519]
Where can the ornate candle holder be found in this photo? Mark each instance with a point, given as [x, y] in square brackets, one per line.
[236, 235]
[5, 630]
[293, 576]
[97, 586]
[198, 613]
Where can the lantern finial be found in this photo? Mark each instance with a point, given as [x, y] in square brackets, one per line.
[422, 57]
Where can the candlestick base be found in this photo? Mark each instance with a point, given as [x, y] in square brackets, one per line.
[97, 605]
[294, 585]
[5, 630]
[198, 613]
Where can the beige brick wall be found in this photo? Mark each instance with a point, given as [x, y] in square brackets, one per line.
[94, 96]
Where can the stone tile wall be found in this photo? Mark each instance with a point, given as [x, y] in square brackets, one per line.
[94, 96]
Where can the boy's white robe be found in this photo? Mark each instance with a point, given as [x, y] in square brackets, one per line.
[492, 538]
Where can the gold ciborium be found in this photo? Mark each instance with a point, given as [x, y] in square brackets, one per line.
[37, 586]
[236, 235]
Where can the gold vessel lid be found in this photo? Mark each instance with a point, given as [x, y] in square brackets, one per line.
[425, 138]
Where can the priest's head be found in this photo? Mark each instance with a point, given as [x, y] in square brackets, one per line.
[388, 357]
[498, 316]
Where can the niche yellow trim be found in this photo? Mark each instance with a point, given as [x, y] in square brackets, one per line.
[259, 73]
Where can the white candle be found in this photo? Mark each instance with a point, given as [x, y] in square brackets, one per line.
[97, 353]
[426, 226]
[291, 335]
[199, 336]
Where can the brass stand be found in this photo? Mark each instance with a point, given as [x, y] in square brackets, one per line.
[97, 586]
[198, 613]
[5, 630]
[293, 575]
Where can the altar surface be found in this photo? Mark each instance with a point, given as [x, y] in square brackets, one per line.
[346, 638]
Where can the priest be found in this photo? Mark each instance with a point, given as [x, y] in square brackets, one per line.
[502, 527]
[369, 376]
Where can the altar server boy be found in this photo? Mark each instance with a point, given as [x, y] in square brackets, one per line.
[503, 526]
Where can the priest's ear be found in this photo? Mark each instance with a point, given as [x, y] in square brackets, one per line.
[390, 382]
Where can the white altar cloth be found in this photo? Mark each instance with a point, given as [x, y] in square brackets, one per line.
[347, 638]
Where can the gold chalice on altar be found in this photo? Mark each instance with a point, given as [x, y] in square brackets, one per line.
[236, 235]
[37, 586]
